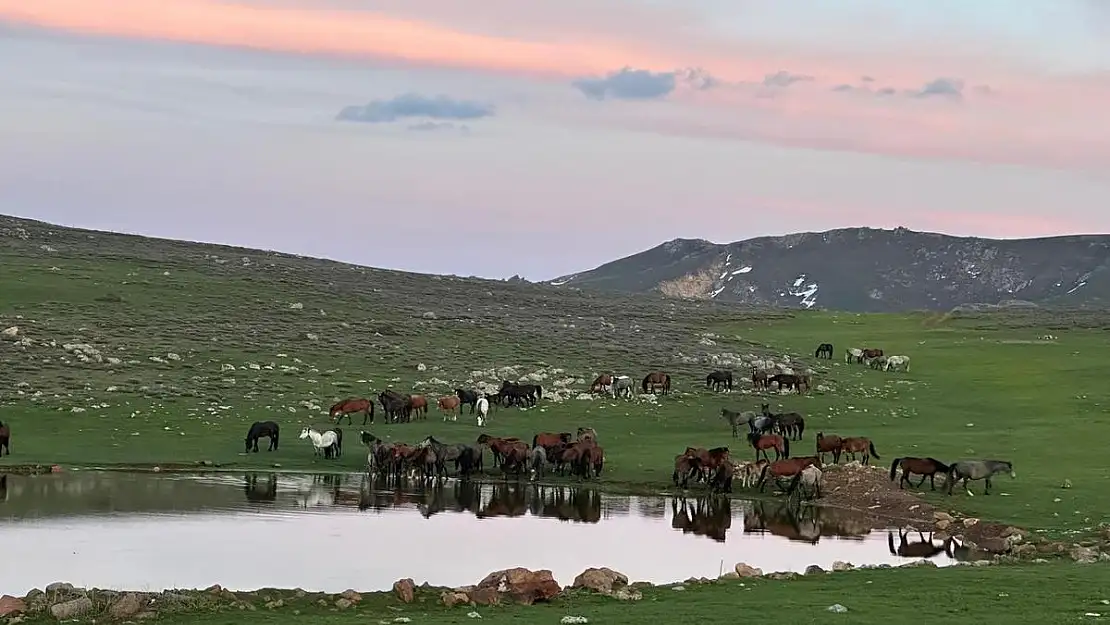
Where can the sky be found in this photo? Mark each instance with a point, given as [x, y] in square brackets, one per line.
[542, 138]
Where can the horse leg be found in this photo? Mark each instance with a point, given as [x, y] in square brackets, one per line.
[967, 486]
[932, 481]
[987, 488]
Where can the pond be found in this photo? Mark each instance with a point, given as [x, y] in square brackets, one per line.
[143, 531]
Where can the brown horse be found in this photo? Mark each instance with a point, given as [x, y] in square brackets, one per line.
[500, 446]
[787, 381]
[786, 468]
[350, 406]
[925, 467]
[591, 458]
[684, 467]
[859, 445]
[708, 460]
[418, 405]
[549, 440]
[759, 379]
[515, 459]
[587, 433]
[601, 383]
[449, 406]
[869, 354]
[656, 380]
[828, 444]
[762, 442]
[5, 439]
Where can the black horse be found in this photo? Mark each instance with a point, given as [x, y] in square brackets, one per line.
[395, 406]
[260, 429]
[719, 379]
[518, 394]
[5, 439]
[468, 398]
[824, 350]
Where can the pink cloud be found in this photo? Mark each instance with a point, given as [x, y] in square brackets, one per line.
[1036, 120]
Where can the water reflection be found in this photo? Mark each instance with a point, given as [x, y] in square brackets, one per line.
[214, 517]
[923, 547]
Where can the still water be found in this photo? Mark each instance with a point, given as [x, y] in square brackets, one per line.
[333, 532]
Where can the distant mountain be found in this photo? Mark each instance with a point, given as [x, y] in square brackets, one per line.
[867, 270]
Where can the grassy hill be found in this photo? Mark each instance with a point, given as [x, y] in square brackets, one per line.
[132, 350]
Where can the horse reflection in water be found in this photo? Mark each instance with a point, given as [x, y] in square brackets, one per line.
[3, 487]
[264, 491]
[707, 516]
[486, 501]
[807, 524]
[924, 547]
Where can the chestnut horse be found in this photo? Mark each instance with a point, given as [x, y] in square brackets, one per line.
[707, 460]
[5, 439]
[925, 467]
[656, 380]
[601, 383]
[449, 406]
[418, 405]
[684, 467]
[786, 468]
[859, 445]
[828, 444]
[871, 354]
[500, 446]
[549, 439]
[352, 405]
[762, 442]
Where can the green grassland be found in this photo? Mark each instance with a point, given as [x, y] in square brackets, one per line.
[207, 339]
[1043, 594]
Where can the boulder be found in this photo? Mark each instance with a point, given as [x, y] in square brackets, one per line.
[451, 598]
[72, 609]
[12, 606]
[746, 570]
[603, 580]
[523, 586]
[126, 606]
[405, 589]
[483, 596]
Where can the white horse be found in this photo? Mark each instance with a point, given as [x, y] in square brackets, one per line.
[483, 411]
[621, 386]
[853, 354]
[810, 480]
[321, 443]
[893, 362]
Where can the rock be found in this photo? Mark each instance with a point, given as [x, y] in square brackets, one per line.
[451, 598]
[273, 605]
[627, 594]
[351, 595]
[1083, 555]
[942, 516]
[523, 586]
[429, 315]
[603, 580]
[60, 587]
[837, 608]
[404, 589]
[970, 521]
[12, 606]
[745, 570]
[10, 333]
[483, 596]
[813, 569]
[842, 566]
[343, 604]
[729, 575]
[943, 524]
[71, 609]
[126, 606]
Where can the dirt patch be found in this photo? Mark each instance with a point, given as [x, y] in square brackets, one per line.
[869, 492]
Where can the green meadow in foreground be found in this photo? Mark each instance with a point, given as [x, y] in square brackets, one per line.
[1043, 594]
[135, 351]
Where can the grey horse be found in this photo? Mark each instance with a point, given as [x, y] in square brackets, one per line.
[537, 460]
[968, 470]
[621, 387]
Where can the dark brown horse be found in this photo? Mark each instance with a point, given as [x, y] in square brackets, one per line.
[789, 424]
[922, 549]
[859, 445]
[824, 350]
[871, 353]
[5, 439]
[352, 405]
[786, 468]
[828, 445]
[500, 446]
[718, 380]
[601, 383]
[708, 460]
[925, 467]
[759, 379]
[707, 516]
[684, 467]
[592, 459]
[762, 442]
[787, 381]
[656, 380]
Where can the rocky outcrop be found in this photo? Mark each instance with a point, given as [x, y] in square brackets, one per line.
[522, 585]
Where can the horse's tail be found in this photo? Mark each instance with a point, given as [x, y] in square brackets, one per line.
[534, 439]
[871, 446]
[894, 467]
[763, 476]
[667, 382]
[539, 392]
[786, 447]
[643, 385]
[941, 467]
[794, 483]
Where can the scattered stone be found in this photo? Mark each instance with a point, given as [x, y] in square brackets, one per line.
[837, 608]
[813, 569]
[1083, 555]
[842, 566]
[970, 521]
[12, 606]
[405, 589]
[343, 604]
[572, 620]
[273, 605]
[10, 333]
[351, 595]
[68, 610]
[603, 580]
[746, 570]
[522, 585]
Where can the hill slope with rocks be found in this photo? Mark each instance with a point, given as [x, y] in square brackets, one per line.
[868, 270]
